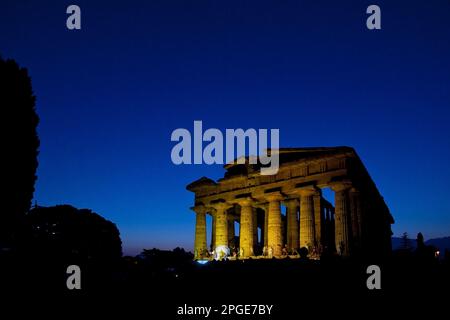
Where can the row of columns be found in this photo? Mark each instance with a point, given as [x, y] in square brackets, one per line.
[307, 232]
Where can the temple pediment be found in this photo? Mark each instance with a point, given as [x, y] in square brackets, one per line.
[200, 183]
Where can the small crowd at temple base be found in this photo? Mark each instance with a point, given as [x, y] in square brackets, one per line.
[265, 253]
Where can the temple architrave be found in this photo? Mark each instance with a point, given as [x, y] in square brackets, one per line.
[279, 214]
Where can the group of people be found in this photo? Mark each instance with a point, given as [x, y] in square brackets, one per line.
[224, 252]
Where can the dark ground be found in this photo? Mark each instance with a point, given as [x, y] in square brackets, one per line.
[293, 286]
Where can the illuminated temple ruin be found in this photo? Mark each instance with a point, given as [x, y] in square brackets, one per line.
[279, 214]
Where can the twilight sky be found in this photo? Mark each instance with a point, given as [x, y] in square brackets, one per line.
[110, 94]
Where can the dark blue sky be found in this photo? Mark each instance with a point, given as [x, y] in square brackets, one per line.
[110, 95]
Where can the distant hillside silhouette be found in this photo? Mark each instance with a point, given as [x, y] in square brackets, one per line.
[440, 243]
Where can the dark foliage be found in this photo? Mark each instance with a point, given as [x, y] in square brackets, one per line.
[164, 260]
[66, 232]
[19, 149]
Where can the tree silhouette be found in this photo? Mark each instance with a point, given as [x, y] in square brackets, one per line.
[19, 149]
[420, 241]
[66, 232]
[406, 245]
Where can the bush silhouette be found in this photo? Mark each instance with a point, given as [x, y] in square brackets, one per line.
[66, 232]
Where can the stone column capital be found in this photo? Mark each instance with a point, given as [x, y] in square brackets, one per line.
[291, 202]
[221, 205]
[244, 202]
[355, 191]
[274, 196]
[305, 191]
[339, 186]
[199, 209]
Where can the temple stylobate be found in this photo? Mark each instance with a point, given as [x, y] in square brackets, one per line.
[279, 214]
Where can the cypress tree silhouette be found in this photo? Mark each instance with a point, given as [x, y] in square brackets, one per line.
[406, 245]
[19, 145]
[420, 241]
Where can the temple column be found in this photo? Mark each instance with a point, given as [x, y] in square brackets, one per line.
[307, 236]
[213, 232]
[355, 216]
[221, 225]
[200, 245]
[255, 227]
[266, 225]
[332, 229]
[325, 226]
[231, 233]
[317, 199]
[341, 216]
[274, 235]
[265, 221]
[329, 231]
[246, 228]
[292, 224]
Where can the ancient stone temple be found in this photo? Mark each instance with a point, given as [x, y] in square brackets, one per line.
[278, 214]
